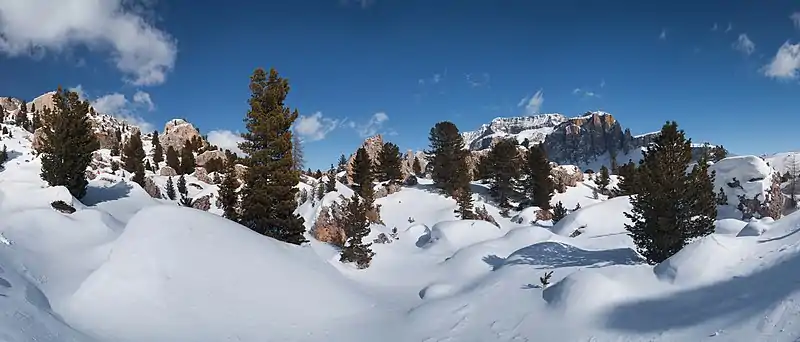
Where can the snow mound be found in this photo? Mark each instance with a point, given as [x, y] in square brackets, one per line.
[729, 226]
[435, 291]
[178, 274]
[742, 175]
[559, 255]
[584, 292]
[604, 219]
[705, 260]
[756, 227]
[459, 234]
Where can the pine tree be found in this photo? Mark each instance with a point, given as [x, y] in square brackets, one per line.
[342, 163]
[603, 180]
[297, 153]
[446, 155]
[187, 158]
[416, 167]
[172, 159]
[186, 201]
[147, 165]
[132, 158]
[537, 186]
[228, 197]
[465, 208]
[158, 150]
[21, 119]
[671, 207]
[718, 153]
[330, 185]
[36, 119]
[559, 212]
[356, 228]
[67, 143]
[504, 165]
[722, 198]
[627, 180]
[362, 176]
[115, 150]
[182, 186]
[268, 198]
[318, 174]
[389, 163]
[320, 191]
[171, 189]
[4, 155]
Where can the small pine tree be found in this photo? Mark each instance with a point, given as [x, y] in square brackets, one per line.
[227, 193]
[356, 228]
[504, 166]
[36, 120]
[342, 163]
[182, 186]
[559, 212]
[147, 165]
[330, 185]
[537, 185]
[465, 208]
[187, 158]
[416, 167]
[389, 163]
[4, 155]
[5, 130]
[318, 174]
[21, 119]
[186, 201]
[603, 180]
[722, 198]
[171, 189]
[319, 191]
[114, 166]
[172, 159]
[158, 150]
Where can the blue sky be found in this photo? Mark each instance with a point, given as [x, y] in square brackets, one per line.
[727, 71]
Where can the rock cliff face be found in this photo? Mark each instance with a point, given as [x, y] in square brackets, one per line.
[176, 132]
[534, 128]
[581, 140]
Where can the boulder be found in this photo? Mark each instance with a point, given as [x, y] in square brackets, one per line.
[410, 180]
[36, 139]
[62, 207]
[386, 190]
[204, 157]
[202, 203]
[241, 171]
[151, 188]
[329, 227]
[107, 138]
[202, 175]
[167, 171]
[568, 175]
[176, 133]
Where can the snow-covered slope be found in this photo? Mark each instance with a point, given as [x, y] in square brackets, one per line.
[534, 128]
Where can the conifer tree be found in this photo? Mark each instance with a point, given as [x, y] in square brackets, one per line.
[627, 179]
[67, 143]
[537, 186]
[227, 193]
[389, 163]
[603, 180]
[416, 167]
[147, 165]
[171, 189]
[722, 198]
[268, 198]
[671, 206]
[36, 119]
[297, 153]
[4, 155]
[330, 185]
[718, 153]
[214, 165]
[187, 158]
[158, 150]
[318, 174]
[21, 119]
[172, 159]
[446, 156]
[463, 197]
[356, 228]
[186, 201]
[182, 190]
[504, 165]
[342, 163]
[133, 158]
[362, 176]
[559, 212]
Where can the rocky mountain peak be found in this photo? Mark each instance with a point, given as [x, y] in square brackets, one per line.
[534, 128]
[177, 132]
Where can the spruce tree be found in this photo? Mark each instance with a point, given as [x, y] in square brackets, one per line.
[158, 150]
[67, 143]
[671, 206]
[268, 198]
[342, 163]
[318, 174]
[171, 189]
[36, 119]
[330, 185]
[4, 155]
[362, 176]
[187, 158]
[463, 197]
[416, 167]
[627, 180]
[147, 165]
[227, 193]
[389, 163]
[186, 201]
[446, 154]
[504, 165]
[559, 212]
[21, 119]
[356, 228]
[603, 180]
[133, 158]
[297, 153]
[182, 186]
[172, 159]
[722, 198]
[537, 186]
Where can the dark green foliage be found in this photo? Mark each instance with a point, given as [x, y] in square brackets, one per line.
[186, 201]
[320, 190]
[228, 197]
[722, 198]
[21, 119]
[416, 167]
[132, 158]
[182, 186]
[171, 189]
[482, 168]
[559, 212]
[718, 153]
[447, 158]
[172, 159]
[603, 180]
[627, 180]
[362, 176]
[214, 165]
[330, 185]
[463, 197]
[187, 158]
[318, 174]
[389, 163]
[5, 130]
[356, 228]
[503, 166]
[115, 150]
[158, 150]
[537, 186]
[268, 197]
[67, 143]
[36, 120]
[671, 207]
[342, 163]
[3, 155]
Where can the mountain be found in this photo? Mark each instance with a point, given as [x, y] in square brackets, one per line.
[534, 128]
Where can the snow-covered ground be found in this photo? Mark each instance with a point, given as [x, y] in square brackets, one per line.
[127, 267]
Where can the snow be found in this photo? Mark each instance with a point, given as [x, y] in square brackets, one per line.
[753, 175]
[130, 268]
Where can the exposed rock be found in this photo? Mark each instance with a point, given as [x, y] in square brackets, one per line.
[62, 207]
[535, 128]
[407, 162]
[44, 100]
[329, 226]
[90, 175]
[202, 175]
[9, 104]
[167, 171]
[202, 203]
[566, 175]
[176, 133]
[373, 145]
[204, 157]
[750, 185]
[107, 138]
[386, 190]
[241, 171]
[581, 140]
[482, 214]
[544, 215]
[151, 188]
[410, 180]
[36, 139]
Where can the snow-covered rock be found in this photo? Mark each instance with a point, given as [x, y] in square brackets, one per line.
[534, 128]
[752, 178]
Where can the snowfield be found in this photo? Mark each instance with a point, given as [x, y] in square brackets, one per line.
[127, 267]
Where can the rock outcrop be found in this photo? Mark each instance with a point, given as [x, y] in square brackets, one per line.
[566, 175]
[167, 171]
[583, 139]
[202, 175]
[534, 128]
[176, 133]
[373, 145]
[151, 188]
[204, 157]
[202, 203]
[750, 185]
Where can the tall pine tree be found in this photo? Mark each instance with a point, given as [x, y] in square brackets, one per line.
[671, 206]
[603, 180]
[362, 176]
[158, 150]
[627, 179]
[356, 228]
[133, 158]
[342, 163]
[446, 155]
[182, 190]
[537, 186]
[268, 198]
[416, 167]
[389, 163]
[171, 189]
[187, 158]
[503, 162]
[21, 119]
[67, 143]
[172, 159]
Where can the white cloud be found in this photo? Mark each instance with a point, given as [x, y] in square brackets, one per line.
[730, 27]
[226, 140]
[78, 89]
[795, 19]
[143, 98]
[371, 127]
[362, 3]
[785, 64]
[587, 93]
[142, 52]
[117, 105]
[479, 80]
[602, 83]
[744, 44]
[715, 27]
[663, 34]
[315, 126]
[533, 103]
[576, 91]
